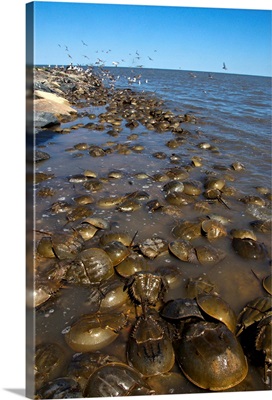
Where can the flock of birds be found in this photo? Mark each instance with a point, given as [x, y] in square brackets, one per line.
[105, 73]
[100, 62]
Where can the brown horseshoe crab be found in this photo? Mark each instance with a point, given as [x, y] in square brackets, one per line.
[210, 356]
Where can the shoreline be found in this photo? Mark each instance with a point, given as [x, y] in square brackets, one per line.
[58, 95]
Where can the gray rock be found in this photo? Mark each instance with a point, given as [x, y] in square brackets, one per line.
[41, 156]
[44, 119]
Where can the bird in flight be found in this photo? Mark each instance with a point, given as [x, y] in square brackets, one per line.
[151, 59]
[66, 48]
[86, 56]
[84, 44]
[224, 66]
[70, 56]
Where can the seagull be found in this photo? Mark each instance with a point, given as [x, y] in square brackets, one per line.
[59, 45]
[224, 66]
[86, 56]
[115, 63]
[150, 58]
[69, 56]
[66, 48]
[84, 44]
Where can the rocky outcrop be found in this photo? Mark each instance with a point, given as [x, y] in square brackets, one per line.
[54, 93]
[50, 109]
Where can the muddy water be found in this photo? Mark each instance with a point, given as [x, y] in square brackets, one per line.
[233, 277]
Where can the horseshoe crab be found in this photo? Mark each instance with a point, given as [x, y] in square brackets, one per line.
[174, 186]
[243, 234]
[114, 380]
[183, 250]
[146, 288]
[131, 264]
[254, 311]
[82, 365]
[213, 229]
[60, 388]
[267, 284]
[178, 199]
[192, 188]
[149, 350]
[89, 226]
[122, 236]
[264, 343]
[198, 285]
[208, 255]
[248, 248]
[49, 362]
[181, 309]
[204, 255]
[153, 247]
[264, 225]
[210, 356]
[217, 308]
[214, 183]
[63, 245]
[93, 332]
[187, 230]
[91, 266]
[117, 252]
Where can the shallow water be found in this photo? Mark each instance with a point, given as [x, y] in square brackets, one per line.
[233, 113]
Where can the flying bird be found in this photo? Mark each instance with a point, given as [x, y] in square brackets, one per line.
[224, 66]
[150, 58]
[69, 56]
[86, 56]
[84, 44]
[115, 63]
[66, 48]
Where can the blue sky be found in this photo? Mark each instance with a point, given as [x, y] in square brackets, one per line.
[187, 38]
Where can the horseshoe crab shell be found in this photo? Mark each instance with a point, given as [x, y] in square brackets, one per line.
[248, 248]
[183, 250]
[149, 350]
[114, 380]
[187, 230]
[217, 308]
[93, 332]
[213, 229]
[210, 356]
[181, 308]
[117, 252]
[208, 255]
[92, 265]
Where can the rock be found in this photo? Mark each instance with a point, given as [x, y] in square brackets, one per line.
[41, 156]
[43, 119]
[49, 109]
